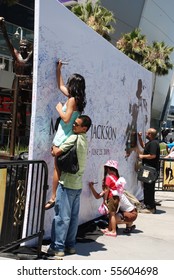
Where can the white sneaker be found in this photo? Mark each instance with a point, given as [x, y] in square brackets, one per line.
[147, 211]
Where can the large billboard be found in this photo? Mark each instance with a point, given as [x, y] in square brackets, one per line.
[118, 94]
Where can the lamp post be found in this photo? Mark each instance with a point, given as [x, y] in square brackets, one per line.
[17, 34]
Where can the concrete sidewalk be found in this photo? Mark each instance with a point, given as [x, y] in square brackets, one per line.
[153, 238]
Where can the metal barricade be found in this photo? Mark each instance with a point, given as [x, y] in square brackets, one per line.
[165, 181]
[23, 187]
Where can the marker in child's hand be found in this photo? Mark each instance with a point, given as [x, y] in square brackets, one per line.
[95, 183]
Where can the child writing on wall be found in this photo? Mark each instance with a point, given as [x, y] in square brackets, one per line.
[111, 194]
[120, 209]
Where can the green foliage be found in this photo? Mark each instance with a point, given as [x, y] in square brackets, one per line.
[96, 17]
[18, 149]
[163, 151]
[134, 45]
[155, 58]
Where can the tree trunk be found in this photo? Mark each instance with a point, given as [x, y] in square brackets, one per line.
[153, 92]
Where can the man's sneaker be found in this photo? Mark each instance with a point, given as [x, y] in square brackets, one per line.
[158, 203]
[128, 230]
[141, 207]
[70, 251]
[153, 210]
[52, 252]
[147, 211]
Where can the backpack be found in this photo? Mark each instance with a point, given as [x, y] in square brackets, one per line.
[132, 198]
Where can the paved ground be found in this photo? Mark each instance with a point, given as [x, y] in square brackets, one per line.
[153, 238]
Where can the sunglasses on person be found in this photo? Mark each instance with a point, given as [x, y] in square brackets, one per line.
[76, 124]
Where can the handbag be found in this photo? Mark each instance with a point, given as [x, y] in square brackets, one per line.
[57, 123]
[68, 161]
[147, 174]
[103, 209]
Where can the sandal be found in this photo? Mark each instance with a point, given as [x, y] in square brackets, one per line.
[50, 204]
[110, 233]
[129, 229]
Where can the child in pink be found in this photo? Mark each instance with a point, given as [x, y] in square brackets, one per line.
[112, 189]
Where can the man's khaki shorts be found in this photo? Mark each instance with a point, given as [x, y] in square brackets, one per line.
[130, 216]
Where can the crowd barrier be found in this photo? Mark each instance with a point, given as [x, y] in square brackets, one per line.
[22, 195]
[165, 181]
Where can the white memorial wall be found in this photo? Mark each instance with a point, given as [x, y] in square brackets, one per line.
[118, 92]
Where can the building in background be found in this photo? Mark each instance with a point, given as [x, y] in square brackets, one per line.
[154, 18]
[19, 21]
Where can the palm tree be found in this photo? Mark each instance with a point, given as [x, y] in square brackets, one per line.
[96, 17]
[155, 58]
[134, 45]
[157, 61]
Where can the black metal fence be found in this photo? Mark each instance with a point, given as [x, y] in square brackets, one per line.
[165, 181]
[23, 187]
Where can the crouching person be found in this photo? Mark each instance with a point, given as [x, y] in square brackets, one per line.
[127, 214]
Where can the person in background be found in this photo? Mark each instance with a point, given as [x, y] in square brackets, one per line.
[67, 203]
[171, 153]
[169, 145]
[150, 157]
[168, 169]
[74, 90]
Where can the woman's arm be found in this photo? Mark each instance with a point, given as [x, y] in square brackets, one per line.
[70, 107]
[60, 82]
[172, 149]
[56, 151]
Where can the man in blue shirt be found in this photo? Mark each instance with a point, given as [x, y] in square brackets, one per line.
[169, 145]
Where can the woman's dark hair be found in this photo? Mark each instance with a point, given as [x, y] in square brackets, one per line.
[76, 88]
